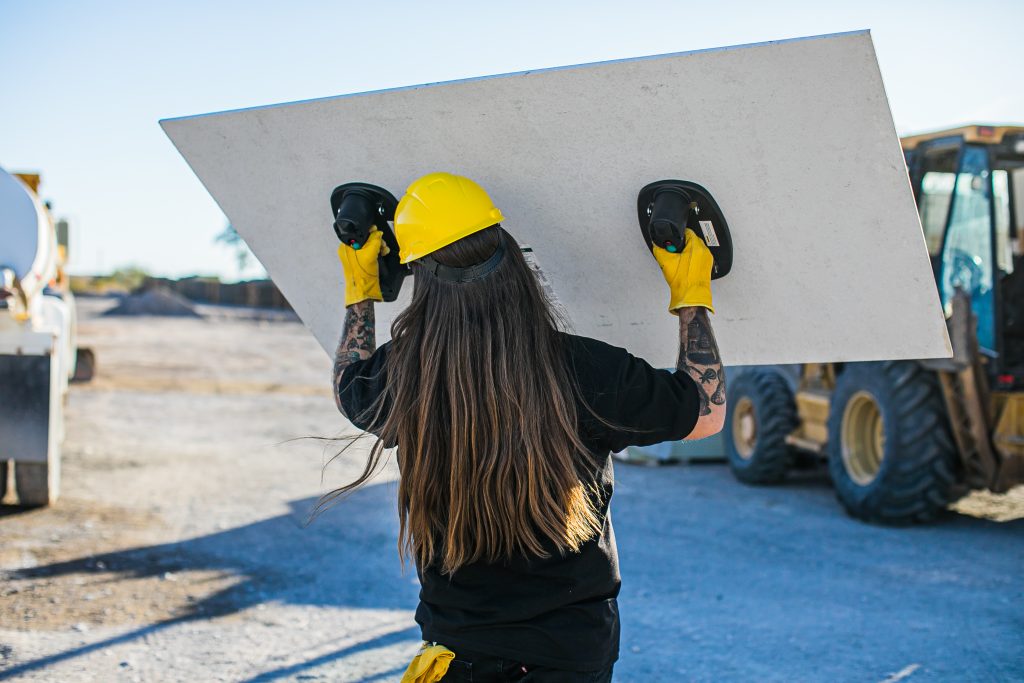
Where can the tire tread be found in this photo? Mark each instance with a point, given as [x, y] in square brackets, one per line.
[919, 484]
[775, 412]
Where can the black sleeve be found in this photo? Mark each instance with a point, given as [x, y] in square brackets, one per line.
[644, 404]
[361, 383]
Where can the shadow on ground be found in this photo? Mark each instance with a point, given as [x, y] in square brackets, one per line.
[347, 557]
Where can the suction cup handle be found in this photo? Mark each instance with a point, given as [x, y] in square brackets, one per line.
[669, 211]
[355, 219]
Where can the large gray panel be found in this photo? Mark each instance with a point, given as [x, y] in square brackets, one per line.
[794, 139]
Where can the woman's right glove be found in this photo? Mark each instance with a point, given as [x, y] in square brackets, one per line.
[688, 273]
[362, 271]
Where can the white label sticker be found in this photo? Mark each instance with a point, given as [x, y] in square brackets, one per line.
[710, 238]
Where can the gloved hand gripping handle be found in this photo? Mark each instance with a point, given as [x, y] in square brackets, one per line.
[690, 240]
[357, 209]
[667, 208]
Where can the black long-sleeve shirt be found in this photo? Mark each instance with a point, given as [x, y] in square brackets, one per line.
[558, 611]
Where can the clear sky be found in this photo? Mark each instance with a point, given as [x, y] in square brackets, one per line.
[84, 83]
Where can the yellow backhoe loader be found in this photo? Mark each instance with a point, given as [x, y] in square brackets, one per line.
[904, 439]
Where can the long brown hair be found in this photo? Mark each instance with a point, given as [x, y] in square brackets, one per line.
[484, 413]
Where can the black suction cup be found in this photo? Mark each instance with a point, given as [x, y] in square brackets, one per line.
[667, 207]
[356, 208]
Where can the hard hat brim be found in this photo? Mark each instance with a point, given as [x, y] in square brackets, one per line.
[494, 218]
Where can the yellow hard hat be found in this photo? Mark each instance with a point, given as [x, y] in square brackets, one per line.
[438, 209]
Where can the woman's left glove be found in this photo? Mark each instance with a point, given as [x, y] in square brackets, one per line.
[688, 273]
[362, 272]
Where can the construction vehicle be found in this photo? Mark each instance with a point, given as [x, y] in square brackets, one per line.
[38, 349]
[904, 439]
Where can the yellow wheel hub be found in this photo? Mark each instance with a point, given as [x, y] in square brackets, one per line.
[863, 435]
[744, 428]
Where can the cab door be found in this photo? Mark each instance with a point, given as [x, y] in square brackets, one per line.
[933, 166]
[952, 183]
[968, 253]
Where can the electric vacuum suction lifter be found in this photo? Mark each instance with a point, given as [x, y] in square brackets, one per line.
[356, 208]
[667, 207]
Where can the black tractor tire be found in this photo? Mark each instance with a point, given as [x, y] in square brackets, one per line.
[765, 457]
[914, 480]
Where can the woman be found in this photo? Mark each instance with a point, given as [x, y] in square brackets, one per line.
[504, 425]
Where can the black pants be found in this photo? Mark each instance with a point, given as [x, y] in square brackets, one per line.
[481, 668]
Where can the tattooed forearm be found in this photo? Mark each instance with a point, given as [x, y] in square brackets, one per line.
[358, 341]
[699, 357]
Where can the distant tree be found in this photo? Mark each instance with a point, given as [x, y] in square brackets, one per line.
[124, 279]
[230, 237]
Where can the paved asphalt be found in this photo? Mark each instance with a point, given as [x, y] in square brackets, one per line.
[722, 582]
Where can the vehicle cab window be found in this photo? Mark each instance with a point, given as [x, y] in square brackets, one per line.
[1004, 233]
[936, 193]
[967, 256]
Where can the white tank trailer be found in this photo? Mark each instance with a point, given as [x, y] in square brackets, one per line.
[38, 353]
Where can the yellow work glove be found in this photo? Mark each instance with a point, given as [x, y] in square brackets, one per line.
[688, 273]
[429, 665]
[362, 272]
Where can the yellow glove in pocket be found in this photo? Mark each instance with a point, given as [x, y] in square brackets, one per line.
[429, 665]
[688, 273]
[362, 272]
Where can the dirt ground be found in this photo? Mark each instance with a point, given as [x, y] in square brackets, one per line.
[180, 550]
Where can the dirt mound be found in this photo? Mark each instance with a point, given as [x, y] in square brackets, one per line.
[157, 301]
